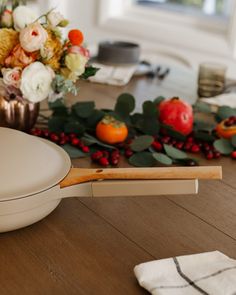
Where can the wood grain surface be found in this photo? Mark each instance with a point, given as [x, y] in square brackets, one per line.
[90, 246]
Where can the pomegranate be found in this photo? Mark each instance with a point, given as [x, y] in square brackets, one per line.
[178, 114]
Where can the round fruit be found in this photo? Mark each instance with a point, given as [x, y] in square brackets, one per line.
[178, 114]
[227, 128]
[76, 37]
[111, 131]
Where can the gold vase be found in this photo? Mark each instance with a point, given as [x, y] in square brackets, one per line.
[20, 115]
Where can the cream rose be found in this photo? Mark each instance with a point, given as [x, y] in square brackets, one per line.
[23, 16]
[12, 77]
[76, 63]
[33, 37]
[36, 82]
[54, 18]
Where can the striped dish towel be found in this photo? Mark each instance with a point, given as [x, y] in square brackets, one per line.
[211, 273]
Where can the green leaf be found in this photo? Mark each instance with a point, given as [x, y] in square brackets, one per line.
[84, 109]
[162, 158]
[56, 124]
[149, 126]
[143, 159]
[202, 125]
[149, 109]
[158, 100]
[125, 105]
[225, 112]
[95, 117]
[90, 140]
[89, 72]
[202, 107]
[141, 143]
[173, 133]
[174, 153]
[224, 146]
[74, 127]
[233, 140]
[74, 152]
[204, 136]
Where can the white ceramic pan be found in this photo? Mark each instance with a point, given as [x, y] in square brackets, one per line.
[36, 174]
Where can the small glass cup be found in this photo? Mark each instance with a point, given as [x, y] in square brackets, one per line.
[211, 79]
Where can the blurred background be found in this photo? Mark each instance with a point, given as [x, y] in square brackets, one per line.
[185, 32]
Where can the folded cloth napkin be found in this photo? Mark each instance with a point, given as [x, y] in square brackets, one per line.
[211, 273]
[225, 99]
[113, 75]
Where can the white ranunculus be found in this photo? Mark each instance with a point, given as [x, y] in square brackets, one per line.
[36, 82]
[55, 18]
[23, 16]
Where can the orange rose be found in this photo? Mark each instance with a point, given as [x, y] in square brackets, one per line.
[19, 58]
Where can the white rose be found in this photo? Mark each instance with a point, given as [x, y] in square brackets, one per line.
[36, 82]
[33, 37]
[12, 77]
[23, 16]
[55, 18]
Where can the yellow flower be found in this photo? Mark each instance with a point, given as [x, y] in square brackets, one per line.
[66, 73]
[76, 63]
[8, 40]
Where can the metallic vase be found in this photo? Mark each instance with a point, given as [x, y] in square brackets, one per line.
[20, 115]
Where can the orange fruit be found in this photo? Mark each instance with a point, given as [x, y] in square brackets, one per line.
[227, 128]
[111, 131]
[76, 37]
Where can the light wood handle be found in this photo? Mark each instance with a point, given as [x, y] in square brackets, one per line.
[80, 175]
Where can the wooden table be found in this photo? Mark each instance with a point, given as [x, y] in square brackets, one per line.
[90, 246]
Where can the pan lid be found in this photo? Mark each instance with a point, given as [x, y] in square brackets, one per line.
[29, 165]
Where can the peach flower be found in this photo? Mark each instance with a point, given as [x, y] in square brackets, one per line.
[33, 37]
[12, 77]
[20, 58]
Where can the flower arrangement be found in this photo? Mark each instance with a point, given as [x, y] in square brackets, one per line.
[35, 62]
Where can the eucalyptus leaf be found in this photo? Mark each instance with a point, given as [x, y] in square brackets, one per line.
[202, 125]
[233, 140]
[225, 112]
[89, 72]
[174, 153]
[95, 117]
[125, 105]
[74, 127]
[158, 100]
[74, 152]
[173, 133]
[162, 158]
[149, 109]
[142, 159]
[224, 146]
[90, 140]
[141, 143]
[202, 107]
[149, 126]
[56, 124]
[204, 136]
[84, 109]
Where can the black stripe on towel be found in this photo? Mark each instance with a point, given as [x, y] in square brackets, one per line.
[187, 279]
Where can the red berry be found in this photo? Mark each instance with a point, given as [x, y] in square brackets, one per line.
[187, 146]
[115, 153]
[233, 155]
[157, 146]
[104, 161]
[115, 161]
[75, 141]
[46, 133]
[195, 148]
[179, 145]
[210, 155]
[190, 139]
[72, 135]
[129, 153]
[105, 154]
[165, 139]
[96, 156]
[217, 155]
[54, 137]
[85, 149]
[62, 142]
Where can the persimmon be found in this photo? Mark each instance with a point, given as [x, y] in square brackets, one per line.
[76, 37]
[111, 131]
[227, 127]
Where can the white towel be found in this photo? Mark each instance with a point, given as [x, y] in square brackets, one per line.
[211, 273]
[113, 75]
[225, 99]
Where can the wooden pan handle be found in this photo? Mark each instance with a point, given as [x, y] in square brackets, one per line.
[80, 175]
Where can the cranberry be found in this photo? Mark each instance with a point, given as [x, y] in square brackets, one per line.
[85, 149]
[62, 142]
[233, 155]
[190, 139]
[179, 145]
[104, 161]
[157, 146]
[165, 139]
[129, 153]
[54, 137]
[191, 162]
[96, 156]
[72, 135]
[187, 146]
[115, 154]
[114, 161]
[75, 141]
[217, 155]
[209, 155]
[105, 154]
[195, 148]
